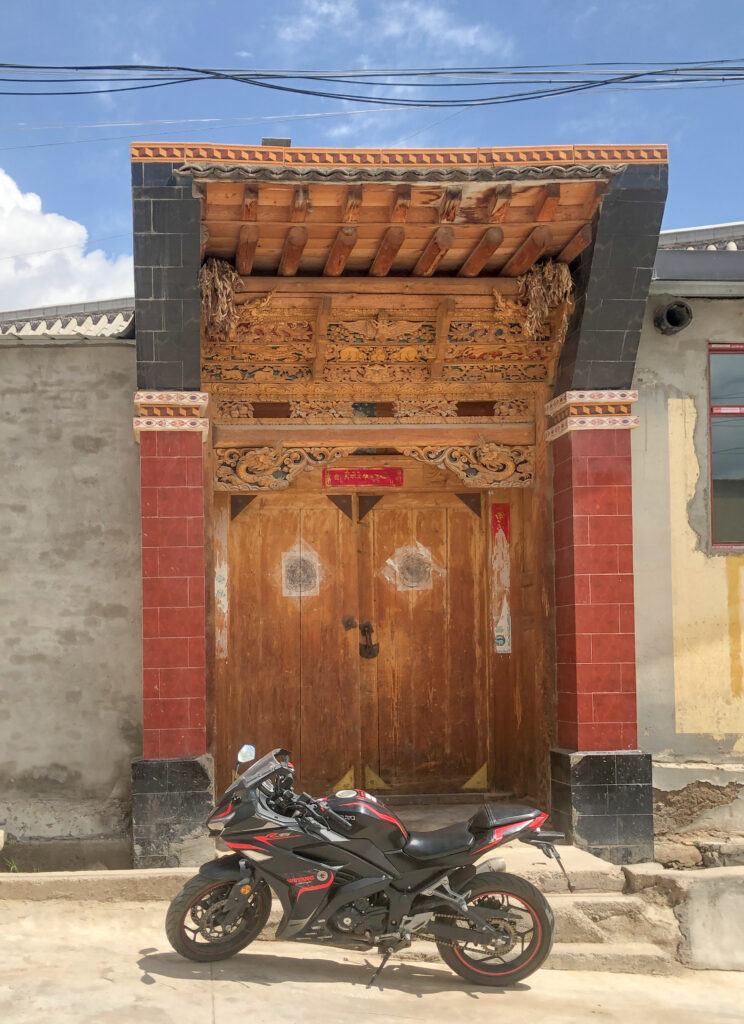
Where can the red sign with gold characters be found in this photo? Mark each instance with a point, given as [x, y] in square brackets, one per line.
[378, 476]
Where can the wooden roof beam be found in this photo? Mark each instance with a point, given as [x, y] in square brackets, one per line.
[538, 240]
[577, 244]
[482, 252]
[387, 250]
[250, 203]
[300, 204]
[352, 202]
[548, 202]
[450, 204]
[294, 243]
[246, 251]
[340, 251]
[498, 204]
[321, 334]
[401, 204]
[431, 257]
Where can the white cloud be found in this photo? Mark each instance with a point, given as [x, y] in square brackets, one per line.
[437, 28]
[314, 15]
[60, 271]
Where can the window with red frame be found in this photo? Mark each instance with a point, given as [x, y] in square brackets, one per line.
[727, 442]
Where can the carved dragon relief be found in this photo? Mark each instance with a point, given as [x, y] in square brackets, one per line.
[273, 468]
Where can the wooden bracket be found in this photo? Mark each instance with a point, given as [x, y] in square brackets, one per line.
[401, 204]
[321, 335]
[250, 203]
[450, 204]
[548, 202]
[498, 204]
[300, 203]
[352, 203]
[445, 309]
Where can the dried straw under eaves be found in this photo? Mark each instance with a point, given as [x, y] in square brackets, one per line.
[218, 281]
[541, 289]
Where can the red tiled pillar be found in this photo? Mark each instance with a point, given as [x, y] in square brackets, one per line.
[173, 626]
[594, 590]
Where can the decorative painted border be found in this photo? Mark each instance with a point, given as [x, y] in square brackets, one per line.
[569, 398]
[171, 423]
[591, 423]
[299, 156]
[171, 403]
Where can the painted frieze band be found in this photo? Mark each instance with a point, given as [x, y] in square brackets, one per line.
[171, 410]
[590, 410]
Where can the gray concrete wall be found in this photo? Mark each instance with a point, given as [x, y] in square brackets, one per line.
[70, 633]
[679, 685]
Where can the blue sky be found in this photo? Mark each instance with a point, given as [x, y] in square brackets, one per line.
[71, 195]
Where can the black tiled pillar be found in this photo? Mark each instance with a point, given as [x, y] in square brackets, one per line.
[603, 801]
[171, 800]
[166, 278]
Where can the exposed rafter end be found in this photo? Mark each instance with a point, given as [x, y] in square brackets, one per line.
[578, 243]
[294, 243]
[401, 204]
[482, 252]
[300, 204]
[246, 251]
[340, 251]
[548, 203]
[431, 257]
[529, 252]
[250, 203]
[498, 204]
[352, 203]
[388, 249]
[450, 204]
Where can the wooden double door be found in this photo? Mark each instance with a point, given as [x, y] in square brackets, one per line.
[357, 628]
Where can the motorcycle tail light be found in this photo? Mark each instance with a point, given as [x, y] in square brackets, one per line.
[538, 822]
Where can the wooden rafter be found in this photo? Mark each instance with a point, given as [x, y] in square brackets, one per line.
[449, 204]
[548, 202]
[352, 203]
[538, 240]
[294, 243]
[482, 252]
[445, 309]
[442, 240]
[246, 251]
[250, 203]
[300, 203]
[401, 204]
[578, 243]
[340, 251]
[387, 250]
[498, 204]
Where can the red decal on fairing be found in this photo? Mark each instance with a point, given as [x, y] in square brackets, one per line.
[539, 821]
[377, 814]
[312, 888]
[225, 812]
[499, 833]
[305, 878]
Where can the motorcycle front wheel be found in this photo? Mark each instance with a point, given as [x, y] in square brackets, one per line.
[194, 925]
[524, 926]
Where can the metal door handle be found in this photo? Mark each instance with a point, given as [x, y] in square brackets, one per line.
[368, 649]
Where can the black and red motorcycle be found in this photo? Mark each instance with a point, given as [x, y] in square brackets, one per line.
[348, 873]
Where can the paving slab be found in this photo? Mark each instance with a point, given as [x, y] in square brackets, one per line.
[69, 962]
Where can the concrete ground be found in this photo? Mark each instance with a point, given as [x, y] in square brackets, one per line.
[69, 961]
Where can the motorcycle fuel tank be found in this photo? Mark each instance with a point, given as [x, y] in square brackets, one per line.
[369, 818]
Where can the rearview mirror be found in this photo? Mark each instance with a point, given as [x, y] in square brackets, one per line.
[246, 753]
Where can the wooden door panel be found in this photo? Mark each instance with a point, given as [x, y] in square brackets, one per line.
[429, 614]
[291, 669]
[329, 744]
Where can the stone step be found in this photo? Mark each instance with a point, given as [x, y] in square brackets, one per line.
[615, 957]
[605, 918]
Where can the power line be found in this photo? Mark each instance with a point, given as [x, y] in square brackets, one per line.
[73, 245]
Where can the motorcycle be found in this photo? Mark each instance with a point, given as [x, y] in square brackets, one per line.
[349, 874]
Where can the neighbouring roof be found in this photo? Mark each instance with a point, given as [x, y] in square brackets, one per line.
[710, 238]
[90, 321]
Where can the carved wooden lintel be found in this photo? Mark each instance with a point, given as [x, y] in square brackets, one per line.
[273, 468]
[321, 335]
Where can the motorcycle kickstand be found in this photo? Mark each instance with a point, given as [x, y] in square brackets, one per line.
[559, 859]
[383, 963]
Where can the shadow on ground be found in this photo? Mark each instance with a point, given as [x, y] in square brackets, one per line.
[269, 969]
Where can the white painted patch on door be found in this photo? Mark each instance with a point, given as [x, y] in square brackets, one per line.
[301, 571]
[501, 579]
[412, 567]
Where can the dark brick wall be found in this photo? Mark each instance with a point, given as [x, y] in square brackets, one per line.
[166, 278]
[612, 278]
[604, 803]
[171, 799]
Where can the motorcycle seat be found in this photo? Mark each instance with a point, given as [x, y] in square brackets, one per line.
[498, 815]
[428, 845]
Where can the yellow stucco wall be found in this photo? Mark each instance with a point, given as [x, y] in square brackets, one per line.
[707, 603]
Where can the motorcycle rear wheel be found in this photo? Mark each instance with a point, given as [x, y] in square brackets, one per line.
[524, 919]
[192, 923]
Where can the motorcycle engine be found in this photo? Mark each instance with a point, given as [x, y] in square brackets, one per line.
[359, 918]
